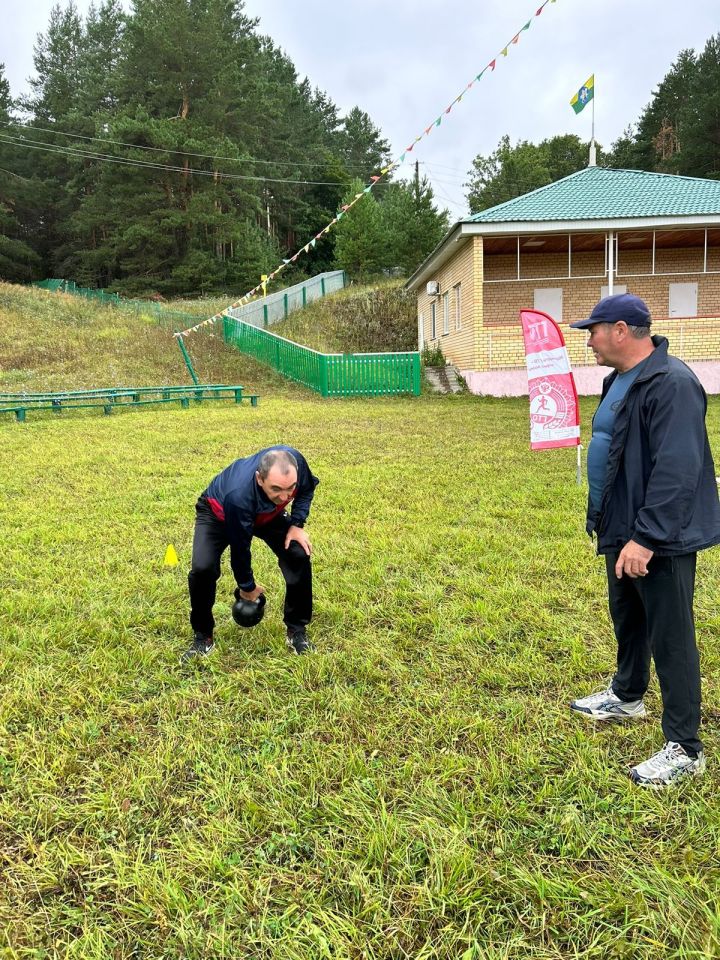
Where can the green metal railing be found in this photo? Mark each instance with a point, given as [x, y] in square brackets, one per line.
[330, 374]
[278, 306]
[261, 313]
[175, 318]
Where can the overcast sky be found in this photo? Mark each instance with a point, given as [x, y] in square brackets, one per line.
[404, 62]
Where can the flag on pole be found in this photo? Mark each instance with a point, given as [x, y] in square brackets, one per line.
[584, 95]
[554, 411]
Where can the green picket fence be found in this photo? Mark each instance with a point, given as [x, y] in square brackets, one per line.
[330, 374]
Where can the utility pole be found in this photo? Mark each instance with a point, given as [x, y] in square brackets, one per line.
[417, 178]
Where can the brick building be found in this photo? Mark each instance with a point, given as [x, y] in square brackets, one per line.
[560, 249]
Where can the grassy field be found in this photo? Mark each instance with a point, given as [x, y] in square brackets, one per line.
[415, 789]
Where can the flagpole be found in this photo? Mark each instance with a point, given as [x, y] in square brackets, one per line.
[593, 155]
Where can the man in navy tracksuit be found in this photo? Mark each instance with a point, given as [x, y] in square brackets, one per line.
[247, 500]
[653, 504]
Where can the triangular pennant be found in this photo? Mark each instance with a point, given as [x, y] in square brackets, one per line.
[491, 65]
[285, 261]
[449, 108]
[504, 52]
[374, 179]
[344, 207]
[368, 188]
[428, 129]
[313, 241]
[438, 121]
[527, 26]
[515, 38]
[358, 195]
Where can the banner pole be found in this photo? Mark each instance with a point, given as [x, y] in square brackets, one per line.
[578, 474]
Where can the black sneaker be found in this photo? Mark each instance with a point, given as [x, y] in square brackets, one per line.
[297, 641]
[201, 646]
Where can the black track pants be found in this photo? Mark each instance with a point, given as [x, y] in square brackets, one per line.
[209, 543]
[653, 617]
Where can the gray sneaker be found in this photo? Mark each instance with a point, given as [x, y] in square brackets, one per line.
[297, 642]
[667, 766]
[606, 705]
[201, 646]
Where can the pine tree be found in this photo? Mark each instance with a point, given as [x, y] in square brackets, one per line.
[360, 239]
[699, 147]
[659, 131]
[18, 261]
[413, 225]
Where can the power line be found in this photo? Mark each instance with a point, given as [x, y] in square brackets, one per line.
[105, 158]
[186, 153]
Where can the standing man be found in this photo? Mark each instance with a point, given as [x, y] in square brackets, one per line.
[653, 504]
[248, 500]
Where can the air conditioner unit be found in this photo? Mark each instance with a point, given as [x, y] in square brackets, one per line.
[433, 288]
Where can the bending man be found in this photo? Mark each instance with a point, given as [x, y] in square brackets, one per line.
[248, 500]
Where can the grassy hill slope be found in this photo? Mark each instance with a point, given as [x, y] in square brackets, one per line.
[54, 341]
[365, 319]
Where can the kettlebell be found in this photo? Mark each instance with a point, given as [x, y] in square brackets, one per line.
[248, 613]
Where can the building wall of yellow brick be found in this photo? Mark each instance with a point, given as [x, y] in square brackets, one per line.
[690, 339]
[503, 300]
[465, 269]
[490, 336]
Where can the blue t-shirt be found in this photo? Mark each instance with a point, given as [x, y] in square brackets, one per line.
[602, 429]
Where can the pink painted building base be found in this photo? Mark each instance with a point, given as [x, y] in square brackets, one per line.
[588, 380]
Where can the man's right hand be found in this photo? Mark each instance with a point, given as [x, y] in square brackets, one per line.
[252, 595]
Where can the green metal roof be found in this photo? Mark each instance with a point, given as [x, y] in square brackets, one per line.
[597, 193]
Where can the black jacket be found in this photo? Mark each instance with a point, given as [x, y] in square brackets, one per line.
[660, 488]
[236, 499]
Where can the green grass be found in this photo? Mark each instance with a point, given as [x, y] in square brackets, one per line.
[416, 789]
[379, 317]
[56, 341]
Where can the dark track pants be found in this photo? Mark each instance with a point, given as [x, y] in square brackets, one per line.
[653, 616]
[209, 543]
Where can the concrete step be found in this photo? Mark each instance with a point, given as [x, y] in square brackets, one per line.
[444, 379]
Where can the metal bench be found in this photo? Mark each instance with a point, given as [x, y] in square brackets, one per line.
[114, 398]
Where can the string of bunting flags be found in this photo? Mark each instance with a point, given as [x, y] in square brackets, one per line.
[374, 180]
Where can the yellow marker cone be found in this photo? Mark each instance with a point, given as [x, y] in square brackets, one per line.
[171, 557]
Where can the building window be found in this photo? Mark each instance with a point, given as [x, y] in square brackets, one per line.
[682, 300]
[549, 300]
[617, 288]
[458, 311]
[446, 314]
[433, 320]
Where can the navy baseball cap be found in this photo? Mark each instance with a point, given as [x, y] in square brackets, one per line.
[621, 306]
